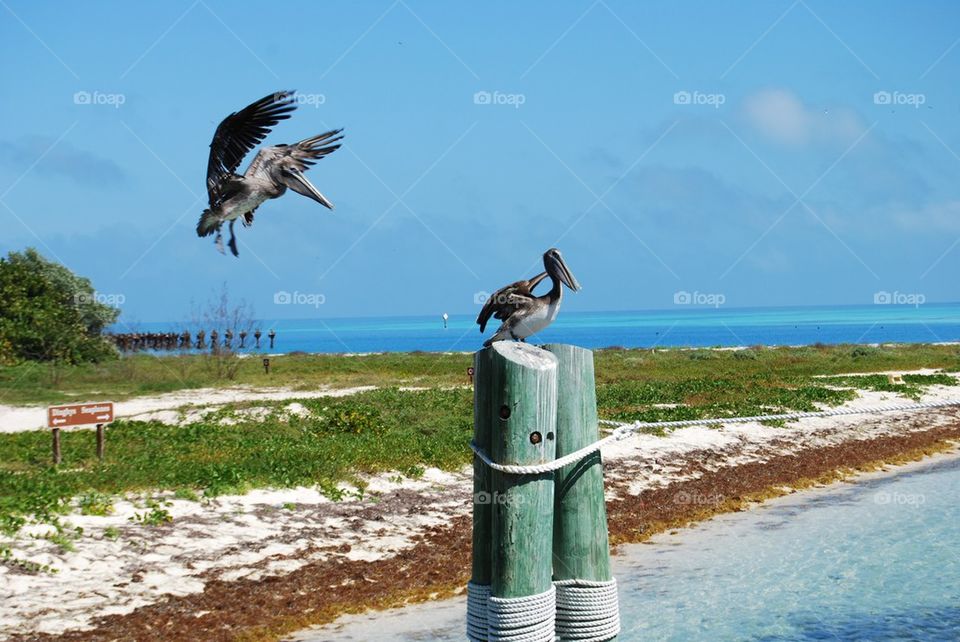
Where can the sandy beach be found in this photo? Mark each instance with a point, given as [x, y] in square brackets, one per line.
[400, 538]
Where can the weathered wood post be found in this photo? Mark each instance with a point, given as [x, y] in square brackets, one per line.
[100, 442]
[515, 424]
[56, 446]
[479, 588]
[581, 558]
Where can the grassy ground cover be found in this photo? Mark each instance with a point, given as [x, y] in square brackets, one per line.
[137, 375]
[388, 428]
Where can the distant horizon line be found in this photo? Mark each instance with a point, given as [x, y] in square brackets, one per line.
[676, 307]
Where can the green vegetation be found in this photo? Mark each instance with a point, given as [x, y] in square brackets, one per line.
[94, 503]
[64, 539]
[692, 384]
[49, 314]
[187, 493]
[156, 513]
[137, 375]
[911, 387]
[389, 429]
[370, 432]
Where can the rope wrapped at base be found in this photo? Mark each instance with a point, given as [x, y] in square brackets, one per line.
[477, 595]
[587, 611]
[522, 619]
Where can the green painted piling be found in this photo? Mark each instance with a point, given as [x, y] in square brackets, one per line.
[521, 405]
[580, 539]
[482, 429]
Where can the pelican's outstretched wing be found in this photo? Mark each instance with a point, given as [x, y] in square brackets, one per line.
[508, 299]
[299, 156]
[240, 132]
[285, 164]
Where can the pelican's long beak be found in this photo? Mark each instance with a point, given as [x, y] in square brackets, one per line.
[567, 276]
[297, 181]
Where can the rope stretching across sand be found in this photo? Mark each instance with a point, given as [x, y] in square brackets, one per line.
[624, 430]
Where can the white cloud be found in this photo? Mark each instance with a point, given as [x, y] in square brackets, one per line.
[782, 117]
[61, 159]
[942, 216]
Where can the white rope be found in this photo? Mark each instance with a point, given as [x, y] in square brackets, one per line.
[624, 430]
[522, 619]
[587, 611]
[477, 595]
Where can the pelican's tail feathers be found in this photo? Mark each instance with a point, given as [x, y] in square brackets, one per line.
[208, 224]
[502, 334]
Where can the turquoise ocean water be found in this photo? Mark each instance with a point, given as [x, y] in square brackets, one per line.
[876, 560]
[683, 326]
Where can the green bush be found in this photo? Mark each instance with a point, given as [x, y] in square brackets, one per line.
[47, 313]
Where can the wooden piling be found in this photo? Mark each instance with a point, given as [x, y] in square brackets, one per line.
[482, 508]
[56, 446]
[100, 442]
[521, 403]
[580, 538]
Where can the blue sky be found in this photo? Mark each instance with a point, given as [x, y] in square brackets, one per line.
[776, 153]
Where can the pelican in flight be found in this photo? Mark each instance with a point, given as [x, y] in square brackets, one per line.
[524, 314]
[272, 171]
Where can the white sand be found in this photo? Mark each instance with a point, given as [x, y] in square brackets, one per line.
[171, 406]
[255, 535]
[649, 461]
[264, 532]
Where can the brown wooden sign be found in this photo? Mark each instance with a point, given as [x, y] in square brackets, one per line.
[82, 414]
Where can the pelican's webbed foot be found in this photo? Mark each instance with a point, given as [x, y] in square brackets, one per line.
[233, 240]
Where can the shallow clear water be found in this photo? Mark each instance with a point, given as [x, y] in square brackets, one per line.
[681, 327]
[877, 560]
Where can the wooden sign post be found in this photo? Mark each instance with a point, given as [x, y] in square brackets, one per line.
[85, 414]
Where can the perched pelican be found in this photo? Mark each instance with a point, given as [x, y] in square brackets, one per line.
[524, 314]
[272, 171]
[495, 305]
